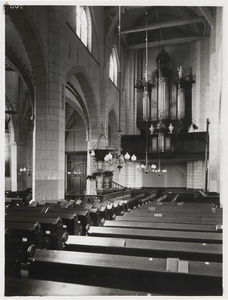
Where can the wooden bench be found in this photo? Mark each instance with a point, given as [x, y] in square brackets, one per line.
[94, 214]
[33, 287]
[19, 238]
[14, 201]
[146, 274]
[164, 218]
[185, 204]
[147, 199]
[181, 208]
[171, 213]
[52, 228]
[83, 215]
[145, 248]
[151, 234]
[167, 226]
[70, 220]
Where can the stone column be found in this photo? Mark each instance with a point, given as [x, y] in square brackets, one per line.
[13, 167]
[50, 114]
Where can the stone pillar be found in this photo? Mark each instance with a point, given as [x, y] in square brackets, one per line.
[13, 167]
[50, 114]
[91, 168]
[7, 161]
[18, 161]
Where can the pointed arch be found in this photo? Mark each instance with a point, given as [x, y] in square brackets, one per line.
[89, 105]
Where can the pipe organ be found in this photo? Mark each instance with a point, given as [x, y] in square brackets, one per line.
[164, 103]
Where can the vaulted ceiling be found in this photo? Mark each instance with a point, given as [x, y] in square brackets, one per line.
[165, 24]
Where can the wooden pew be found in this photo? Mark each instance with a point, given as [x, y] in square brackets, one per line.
[182, 203]
[150, 234]
[33, 287]
[181, 209]
[52, 228]
[83, 215]
[70, 220]
[94, 212]
[150, 275]
[14, 201]
[163, 226]
[20, 240]
[147, 199]
[171, 213]
[164, 218]
[111, 211]
[130, 203]
[118, 208]
[103, 212]
[107, 210]
[23, 232]
[145, 248]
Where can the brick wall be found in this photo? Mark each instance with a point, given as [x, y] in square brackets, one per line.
[196, 175]
[206, 60]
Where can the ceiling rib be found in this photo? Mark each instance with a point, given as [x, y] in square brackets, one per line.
[172, 41]
[205, 11]
[164, 25]
[112, 26]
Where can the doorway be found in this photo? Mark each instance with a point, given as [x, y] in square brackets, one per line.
[76, 173]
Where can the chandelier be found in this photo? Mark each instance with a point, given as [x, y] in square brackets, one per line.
[118, 159]
[146, 168]
[97, 148]
[152, 168]
[27, 171]
[114, 157]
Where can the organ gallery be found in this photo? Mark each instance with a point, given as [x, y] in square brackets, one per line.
[114, 150]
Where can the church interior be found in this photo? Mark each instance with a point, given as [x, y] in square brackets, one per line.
[114, 150]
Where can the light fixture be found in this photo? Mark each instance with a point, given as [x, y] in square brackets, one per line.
[97, 146]
[146, 168]
[117, 158]
[23, 170]
[26, 171]
[101, 149]
[160, 171]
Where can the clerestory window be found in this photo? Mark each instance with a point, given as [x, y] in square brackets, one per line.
[113, 66]
[83, 25]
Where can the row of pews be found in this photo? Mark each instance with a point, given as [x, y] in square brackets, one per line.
[135, 245]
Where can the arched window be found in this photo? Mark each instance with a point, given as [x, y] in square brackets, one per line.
[113, 66]
[83, 25]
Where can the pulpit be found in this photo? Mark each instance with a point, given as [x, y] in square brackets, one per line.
[103, 181]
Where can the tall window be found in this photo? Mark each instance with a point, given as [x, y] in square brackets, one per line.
[83, 25]
[113, 67]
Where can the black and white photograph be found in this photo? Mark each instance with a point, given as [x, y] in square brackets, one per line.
[114, 149]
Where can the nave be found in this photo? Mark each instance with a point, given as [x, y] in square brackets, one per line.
[133, 242]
